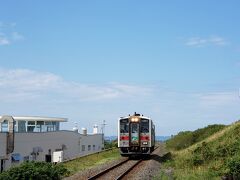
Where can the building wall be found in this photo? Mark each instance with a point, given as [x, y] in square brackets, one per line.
[70, 142]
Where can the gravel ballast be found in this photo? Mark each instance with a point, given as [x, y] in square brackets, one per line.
[147, 169]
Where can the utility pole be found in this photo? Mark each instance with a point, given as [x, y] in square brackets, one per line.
[103, 129]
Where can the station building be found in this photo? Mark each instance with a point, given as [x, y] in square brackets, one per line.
[26, 138]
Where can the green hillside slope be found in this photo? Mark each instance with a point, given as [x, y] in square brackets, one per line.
[211, 158]
[187, 138]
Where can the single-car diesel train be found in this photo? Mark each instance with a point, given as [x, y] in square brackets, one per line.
[136, 135]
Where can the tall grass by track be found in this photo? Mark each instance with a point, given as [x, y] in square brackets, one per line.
[211, 158]
[90, 161]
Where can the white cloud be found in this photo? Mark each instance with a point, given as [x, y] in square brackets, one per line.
[202, 42]
[3, 39]
[32, 84]
[28, 92]
[8, 33]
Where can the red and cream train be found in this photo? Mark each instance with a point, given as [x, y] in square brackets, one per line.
[136, 135]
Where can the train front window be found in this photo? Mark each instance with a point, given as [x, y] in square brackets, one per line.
[124, 126]
[134, 128]
[144, 126]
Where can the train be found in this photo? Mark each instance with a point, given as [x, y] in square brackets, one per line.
[136, 135]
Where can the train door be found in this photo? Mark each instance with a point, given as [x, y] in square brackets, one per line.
[134, 127]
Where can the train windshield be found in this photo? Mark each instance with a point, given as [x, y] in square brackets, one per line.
[134, 128]
[124, 126]
[144, 126]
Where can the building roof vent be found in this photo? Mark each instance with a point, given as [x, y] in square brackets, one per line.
[95, 129]
[84, 131]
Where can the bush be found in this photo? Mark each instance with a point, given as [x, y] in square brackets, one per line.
[110, 144]
[233, 166]
[35, 171]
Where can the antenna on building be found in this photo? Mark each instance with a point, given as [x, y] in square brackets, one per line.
[103, 129]
[103, 126]
[75, 128]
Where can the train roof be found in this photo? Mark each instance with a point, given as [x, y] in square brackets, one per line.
[126, 117]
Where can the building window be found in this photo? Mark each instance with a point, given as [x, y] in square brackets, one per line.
[30, 126]
[93, 147]
[15, 123]
[36, 126]
[4, 126]
[83, 147]
[21, 126]
[39, 126]
[57, 126]
[89, 147]
[50, 126]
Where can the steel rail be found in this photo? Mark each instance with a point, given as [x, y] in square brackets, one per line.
[128, 170]
[107, 170]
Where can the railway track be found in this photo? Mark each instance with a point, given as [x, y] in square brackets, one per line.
[117, 171]
[120, 170]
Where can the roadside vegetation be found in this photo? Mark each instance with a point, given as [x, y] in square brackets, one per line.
[86, 162]
[35, 170]
[111, 144]
[208, 153]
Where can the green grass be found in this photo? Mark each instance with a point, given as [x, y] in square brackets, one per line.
[209, 158]
[187, 138]
[90, 161]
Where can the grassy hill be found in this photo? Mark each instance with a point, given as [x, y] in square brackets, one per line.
[213, 152]
[187, 138]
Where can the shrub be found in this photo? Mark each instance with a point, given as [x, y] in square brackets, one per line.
[36, 171]
[110, 144]
[233, 166]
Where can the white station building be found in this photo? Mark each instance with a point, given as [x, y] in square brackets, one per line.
[40, 139]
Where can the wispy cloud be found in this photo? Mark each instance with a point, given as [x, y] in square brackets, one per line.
[218, 99]
[25, 91]
[32, 84]
[202, 42]
[8, 34]
[3, 39]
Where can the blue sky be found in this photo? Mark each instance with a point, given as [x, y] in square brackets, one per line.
[177, 62]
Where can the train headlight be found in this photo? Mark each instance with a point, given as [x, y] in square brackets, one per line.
[134, 119]
[145, 143]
